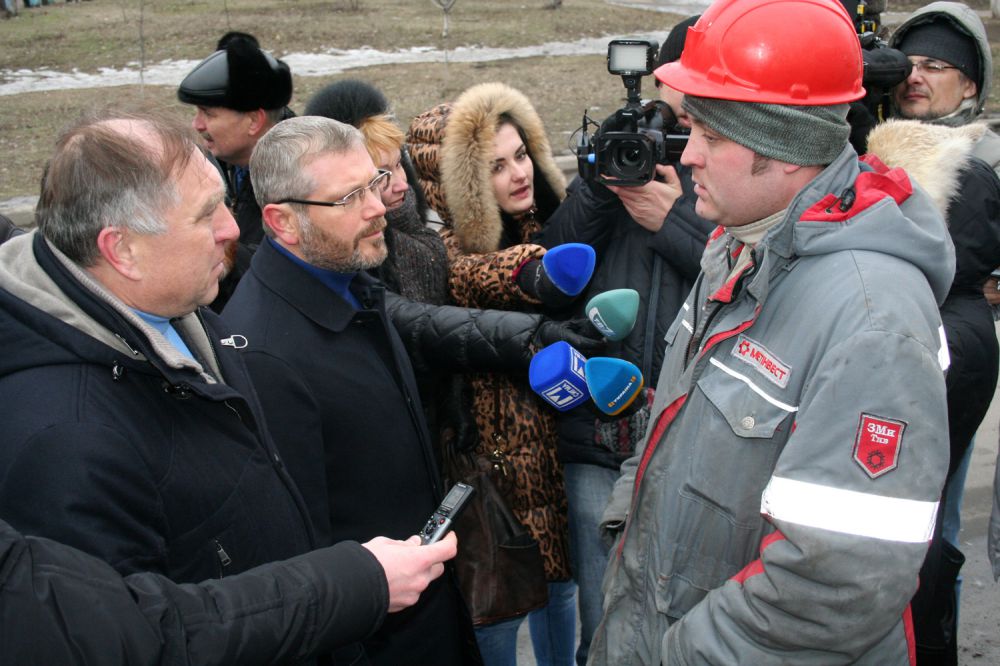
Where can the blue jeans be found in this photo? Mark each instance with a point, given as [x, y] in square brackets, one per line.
[588, 489]
[951, 522]
[553, 630]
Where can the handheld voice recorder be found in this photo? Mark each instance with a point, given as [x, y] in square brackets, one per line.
[443, 518]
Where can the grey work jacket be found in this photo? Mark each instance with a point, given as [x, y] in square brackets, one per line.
[782, 503]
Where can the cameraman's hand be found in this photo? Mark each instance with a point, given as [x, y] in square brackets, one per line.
[409, 567]
[579, 333]
[649, 204]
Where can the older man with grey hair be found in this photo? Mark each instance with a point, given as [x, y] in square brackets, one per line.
[335, 380]
[131, 430]
[334, 376]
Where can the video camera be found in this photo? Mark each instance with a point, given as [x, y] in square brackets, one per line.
[629, 144]
[884, 67]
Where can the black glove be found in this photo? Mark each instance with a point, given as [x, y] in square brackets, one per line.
[534, 281]
[579, 333]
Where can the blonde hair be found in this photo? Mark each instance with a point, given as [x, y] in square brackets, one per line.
[382, 134]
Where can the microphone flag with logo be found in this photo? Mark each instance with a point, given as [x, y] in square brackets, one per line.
[613, 313]
[557, 374]
[614, 383]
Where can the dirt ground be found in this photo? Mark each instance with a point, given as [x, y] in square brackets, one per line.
[68, 37]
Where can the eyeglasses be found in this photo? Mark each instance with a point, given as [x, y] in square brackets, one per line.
[376, 185]
[931, 67]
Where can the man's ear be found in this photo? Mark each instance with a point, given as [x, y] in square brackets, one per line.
[258, 123]
[117, 247]
[970, 90]
[280, 219]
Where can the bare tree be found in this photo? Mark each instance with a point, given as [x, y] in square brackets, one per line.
[142, 48]
[995, 8]
[445, 6]
[142, 42]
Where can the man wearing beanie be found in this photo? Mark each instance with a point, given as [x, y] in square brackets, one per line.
[953, 68]
[949, 86]
[782, 502]
[240, 92]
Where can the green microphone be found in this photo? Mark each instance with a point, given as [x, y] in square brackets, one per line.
[613, 312]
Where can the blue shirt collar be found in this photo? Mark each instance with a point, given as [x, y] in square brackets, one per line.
[167, 330]
[338, 283]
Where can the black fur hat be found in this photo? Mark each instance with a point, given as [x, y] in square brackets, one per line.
[349, 101]
[235, 34]
[242, 77]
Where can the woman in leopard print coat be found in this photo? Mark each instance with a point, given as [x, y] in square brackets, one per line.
[492, 208]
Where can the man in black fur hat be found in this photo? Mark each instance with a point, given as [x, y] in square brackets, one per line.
[240, 92]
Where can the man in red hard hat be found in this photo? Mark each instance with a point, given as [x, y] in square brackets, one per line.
[781, 505]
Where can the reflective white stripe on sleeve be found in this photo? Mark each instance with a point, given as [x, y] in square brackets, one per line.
[848, 511]
[944, 358]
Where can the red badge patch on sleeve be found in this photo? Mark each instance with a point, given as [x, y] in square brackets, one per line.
[878, 444]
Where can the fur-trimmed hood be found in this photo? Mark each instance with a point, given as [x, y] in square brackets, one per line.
[933, 155]
[963, 188]
[452, 149]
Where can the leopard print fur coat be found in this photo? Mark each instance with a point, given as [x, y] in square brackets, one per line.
[451, 147]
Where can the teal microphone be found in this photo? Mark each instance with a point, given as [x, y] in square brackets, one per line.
[613, 312]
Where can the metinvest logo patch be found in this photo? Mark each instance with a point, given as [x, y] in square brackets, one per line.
[762, 360]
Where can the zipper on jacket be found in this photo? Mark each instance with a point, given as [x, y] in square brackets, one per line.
[211, 347]
[135, 352]
[224, 558]
[695, 342]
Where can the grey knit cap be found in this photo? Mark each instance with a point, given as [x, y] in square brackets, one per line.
[803, 135]
[944, 40]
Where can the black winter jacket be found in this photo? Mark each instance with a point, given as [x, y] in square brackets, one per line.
[661, 266]
[341, 399]
[61, 606]
[974, 224]
[148, 466]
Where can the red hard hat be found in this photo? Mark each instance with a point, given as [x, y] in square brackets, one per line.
[799, 52]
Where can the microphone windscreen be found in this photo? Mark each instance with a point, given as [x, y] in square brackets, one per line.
[613, 382]
[557, 374]
[613, 313]
[570, 266]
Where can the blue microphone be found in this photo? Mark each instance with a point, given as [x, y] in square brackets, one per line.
[557, 374]
[614, 383]
[570, 266]
[613, 313]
